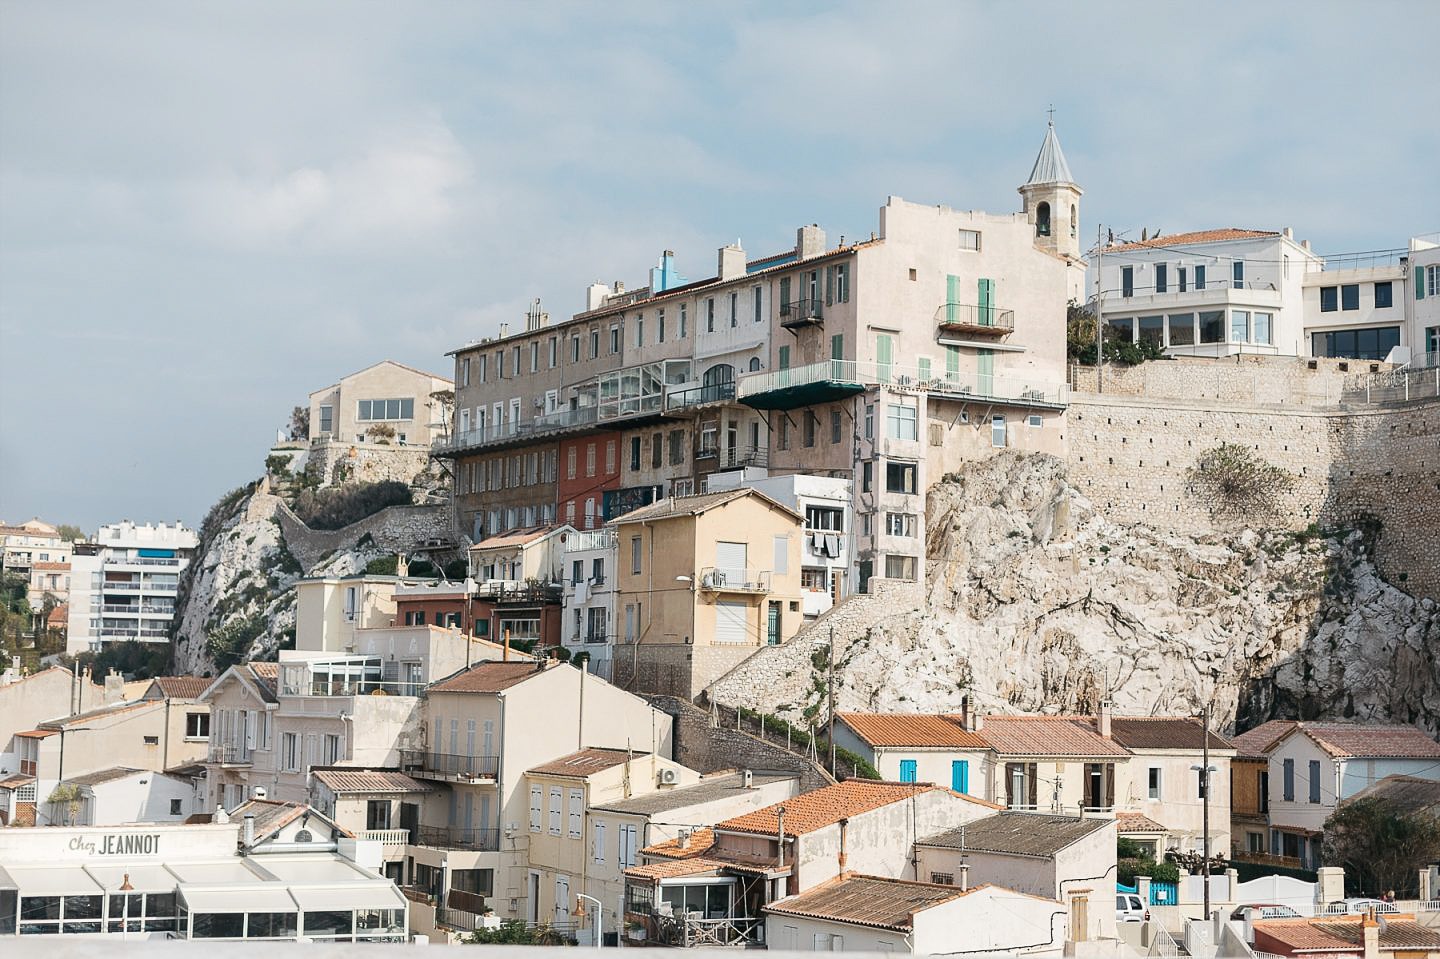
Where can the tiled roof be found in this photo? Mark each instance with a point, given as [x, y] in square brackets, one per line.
[10, 782]
[1161, 732]
[1198, 236]
[181, 687]
[37, 733]
[104, 712]
[59, 616]
[369, 781]
[1047, 736]
[1363, 740]
[868, 901]
[706, 790]
[1257, 742]
[673, 507]
[1137, 822]
[1398, 931]
[102, 776]
[584, 763]
[488, 677]
[912, 729]
[671, 869]
[518, 537]
[1018, 834]
[272, 815]
[825, 806]
[267, 677]
[699, 843]
[1404, 794]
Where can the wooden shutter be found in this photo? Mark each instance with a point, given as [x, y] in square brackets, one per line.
[952, 298]
[1031, 777]
[829, 285]
[1109, 785]
[986, 293]
[785, 296]
[536, 812]
[837, 346]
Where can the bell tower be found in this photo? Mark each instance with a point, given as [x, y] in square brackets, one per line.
[1051, 198]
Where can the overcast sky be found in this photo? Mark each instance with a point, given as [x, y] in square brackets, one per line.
[208, 210]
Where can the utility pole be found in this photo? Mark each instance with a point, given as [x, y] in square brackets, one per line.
[832, 700]
[1099, 309]
[1205, 807]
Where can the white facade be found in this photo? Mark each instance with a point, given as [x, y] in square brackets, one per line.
[123, 584]
[1199, 295]
[34, 550]
[1358, 313]
[587, 623]
[1423, 303]
[133, 796]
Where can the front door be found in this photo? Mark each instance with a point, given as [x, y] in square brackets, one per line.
[772, 624]
[562, 900]
[410, 820]
[532, 898]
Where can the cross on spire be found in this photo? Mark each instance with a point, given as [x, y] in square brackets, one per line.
[1051, 113]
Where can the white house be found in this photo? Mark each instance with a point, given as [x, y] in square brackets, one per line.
[587, 624]
[855, 913]
[123, 584]
[919, 747]
[1423, 303]
[109, 797]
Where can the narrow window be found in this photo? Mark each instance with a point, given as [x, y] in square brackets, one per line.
[1315, 781]
[635, 554]
[1237, 272]
[1161, 278]
[1350, 296]
[1127, 281]
[1199, 277]
[1329, 299]
[1384, 295]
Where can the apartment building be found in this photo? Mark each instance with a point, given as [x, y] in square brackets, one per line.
[1423, 303]
[123, 584]
[1358, 312]
[34, 551]
[884, 361]
[588, 618]
[703, 581]
[388, 402]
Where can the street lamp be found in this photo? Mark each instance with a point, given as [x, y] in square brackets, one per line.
[1205, 769]
[581, 899]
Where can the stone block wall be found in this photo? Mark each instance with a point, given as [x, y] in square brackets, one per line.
[393, 529]
[711, 749]
[674, 669]
[339, 462]
[1242, 379]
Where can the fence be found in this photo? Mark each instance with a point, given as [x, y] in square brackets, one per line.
[1162, 943]
[1281, 890]
[1393, 386]
[1164, 894]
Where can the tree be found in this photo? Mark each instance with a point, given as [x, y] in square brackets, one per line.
[70, 533]
[380, 433]
[443, 401]
[1233, 482]
[1079, 333]
[1379, 847]
[300, 423]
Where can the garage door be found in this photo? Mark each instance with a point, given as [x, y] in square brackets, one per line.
[730, 622]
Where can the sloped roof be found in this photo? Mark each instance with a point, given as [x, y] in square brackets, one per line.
[1050, 165]
[102, 776]
[1363, 740]
[1018, 834]
[1162, 732]
[825, 806]
[1348, 932]
[519, 537]
[675, 868]
[706, 790]
[673, 507]
[179, 687]
[267, 677]
[584, 762]
[698, 844]
[1047, 736]
[912, 729]
[1197, 236]
[348, 780]
[868, 901]
[272, 815]
[1137, 822]
[59, 616]
[104, 712]
[488, 677]
[1257, 742]
[1404, 794]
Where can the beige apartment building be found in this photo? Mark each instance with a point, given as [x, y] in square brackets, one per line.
[388, 395]
[703, 581]
[34, 550]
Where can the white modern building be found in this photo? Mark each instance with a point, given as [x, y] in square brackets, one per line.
[123, 584]
[1208, 293]
[587, 624]
[1358, 312]
[1423, 303]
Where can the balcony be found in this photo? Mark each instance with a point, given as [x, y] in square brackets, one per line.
[802, 313]
[720, 579]
[230, 754]
[741, 457]
[599, 539]
[967, 319]
[835, 379]
[822, 382]
[698, 396]
[392, 841]
[690, 930]
[449, 767]
[458, 837]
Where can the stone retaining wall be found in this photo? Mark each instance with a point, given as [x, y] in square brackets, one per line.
[710, 749]
[393, 529]
[1241, 379]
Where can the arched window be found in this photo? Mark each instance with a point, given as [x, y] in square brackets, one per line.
[719, 373]
[754, 363]
[1042, 220]
[1074, 222]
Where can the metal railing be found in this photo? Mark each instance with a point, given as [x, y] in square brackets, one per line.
[450, 765]
[1162, 944]
[700, 395]
[802, 311]
[973, 318]
[851, 372]
[601, 539]
[740, 457]
[458, 837]
[110, 608]
[230, 753]
[722, 579]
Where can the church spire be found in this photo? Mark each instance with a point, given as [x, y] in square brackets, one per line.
[1052, 198]
[1050, 165]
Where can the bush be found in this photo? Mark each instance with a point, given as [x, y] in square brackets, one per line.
[277, 464]
[230, 643]
[338, 506]
[514, 932]
[1128, 869]
[133, 659]
[1232, 481]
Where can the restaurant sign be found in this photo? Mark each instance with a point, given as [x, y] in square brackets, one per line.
[117, 844]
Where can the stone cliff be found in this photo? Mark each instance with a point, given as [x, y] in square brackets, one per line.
[1035, 601]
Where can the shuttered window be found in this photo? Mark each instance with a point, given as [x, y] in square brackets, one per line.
[557, 803]
[536, 801]
[577, 810]
[730, 622]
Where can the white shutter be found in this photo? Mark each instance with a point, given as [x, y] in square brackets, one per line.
[577, 809]
[557, 802]
[782, 555]
[730, 556]
[730, 621]
[536, 794]
[598, 846]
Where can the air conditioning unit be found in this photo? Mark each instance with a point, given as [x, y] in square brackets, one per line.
[667, 777]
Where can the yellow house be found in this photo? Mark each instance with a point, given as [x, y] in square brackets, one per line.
[703, 581]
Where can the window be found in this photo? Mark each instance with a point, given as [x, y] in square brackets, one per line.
[657, 451]
[628, 846]
[842, 283]
[152, 740]
[597, 842]
[290, 752]
[943, 878]
[1289, 783]
[970, 240]
[396, 409]
[660, 326]
[577, 810]
[327, 419]
[900, 567]
[809, 431]
[377, 814]
[867, 476]
[554, 351]
[1042, 219]
[1350, 296]
[1150, 329]
[1369, 343]
[330, 754]
[1153, 784]
[1260, 330]
[536, 812]
[900, 477]
[1181, 274]
[734, 309]
[1034, 420]
[598, 624]
[1212, 326]
[677, 447]
[574, 349]
[197, 725]
[1329, 299]
[710, 314]
[1161, 278]
[1237, 274]
[1315, 781]
[869, 421]
[900, 524]
[1239, 326]
[557, 811]
[635, 554]
[907, 770]
[594, 343]
[639, 330]
[997, 431]
[1127, 281]
[634, 453]
[1384, 295]
[682, 320]
[535, 356]
[177, 807]
[1432, 288]
[614, 340]
[1199, 277]
[836, 427]
[785, 296]
[902, 421]
[828, 518]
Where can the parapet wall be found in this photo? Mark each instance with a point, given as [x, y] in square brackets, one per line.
[1243, 379]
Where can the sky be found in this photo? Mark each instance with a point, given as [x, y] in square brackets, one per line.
[208, 210]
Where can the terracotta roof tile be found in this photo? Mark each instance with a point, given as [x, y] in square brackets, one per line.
[1372, 741]
[181, 687]
[1047, 736]
[488, 677]
[586, 762]
[11, 782]
[518, 537]
[37, 733]
[1399, 931]
[346, 780]
[699, 843]
[1198, 236]
[825, 806]
[267, 677]
[868, 901]
[655, 871]
[1137, 822]
[1161, 732]
[1257, 742]
[912, 729]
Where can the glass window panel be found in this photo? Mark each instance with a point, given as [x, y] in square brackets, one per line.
[407, 409]
[1121, 329]
[364, 409]
[329, 923]
[1262, 328]
[1152, 330]
[1212, 326]
[717, 903]
[83, 907]
[218, 925]
[39, 907]
[695, 899]
[1384, 295]
[1329, 299]
[1350, 296]
[272, 925]
[1239, 326]
[674, 896]
[1182, 329]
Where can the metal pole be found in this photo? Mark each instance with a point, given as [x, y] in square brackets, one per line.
[1099, 309]
[1205, 797]
[831, 733]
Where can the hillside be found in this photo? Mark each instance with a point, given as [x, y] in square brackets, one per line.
[1037, 602]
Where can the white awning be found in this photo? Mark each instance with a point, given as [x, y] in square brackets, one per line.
[143, 878]
[252, 897]
[53, 881]
[345, 898]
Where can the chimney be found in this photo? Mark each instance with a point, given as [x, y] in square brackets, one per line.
[504, 330]
[1102, 720]
[402, 564]
[747, 778]
[732, 261]
[684, 838]
[1370, 929]
[841, 859]
[1289, 233]
[1305, 244]
[505, 656]
[260, 792]
[619, 287]
[114, 687]
[595, 295]
[248, 830]
[221, 816]
[809, 241]
[780, 834]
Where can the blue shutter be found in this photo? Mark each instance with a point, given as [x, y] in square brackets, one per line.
[907, 770]
[1419, 282]
[960, 775]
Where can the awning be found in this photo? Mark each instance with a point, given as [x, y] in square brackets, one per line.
[348, 897]
[252, 897]
[53, 881]
[143, 878]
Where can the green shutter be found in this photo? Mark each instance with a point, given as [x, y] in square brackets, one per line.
[1419, 282]
[952, 364]
[924, 369]
[785, 296]
[784, 357]
[882, 356]
[952, 298]
[829, 285]
[986, 302]
[985, 367]
[837, 346]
